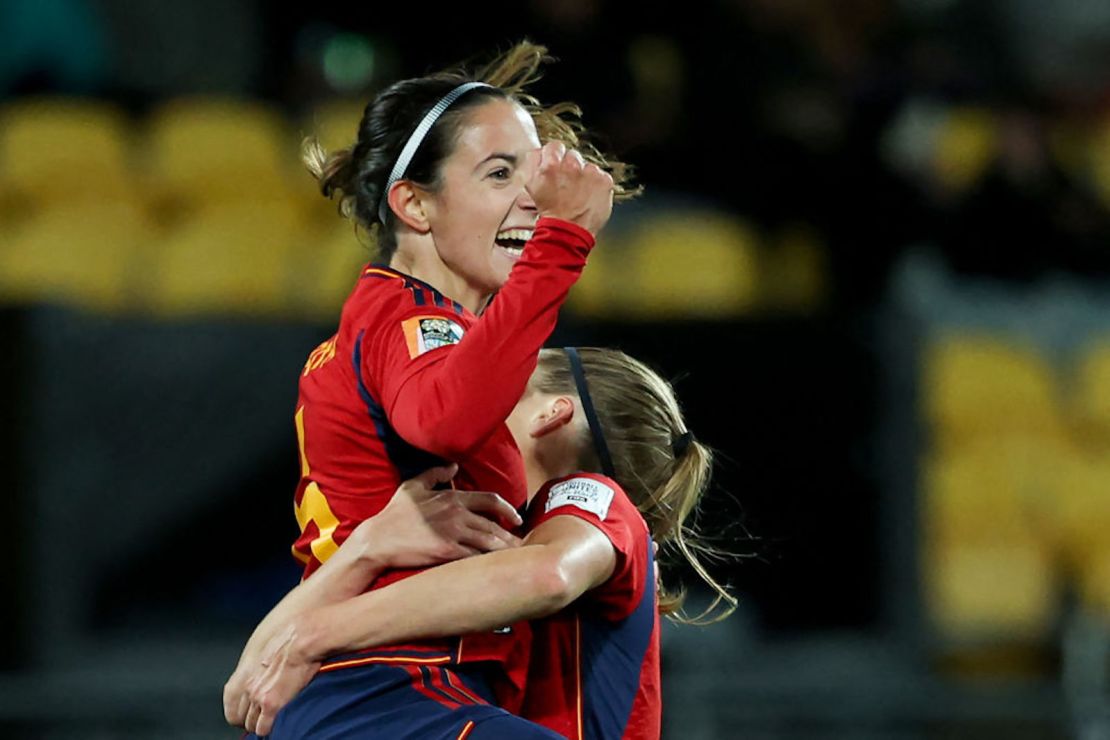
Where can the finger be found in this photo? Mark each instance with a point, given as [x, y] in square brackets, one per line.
[487, 536]
[252, 716]
[458, 551]
[481, 541]
[574, 158]
[492, 505]
[556, 150]
[265, 724]
[244, 705]
[431, 477]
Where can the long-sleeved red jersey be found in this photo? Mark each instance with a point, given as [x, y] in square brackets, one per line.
[412, 379]
[594, 670]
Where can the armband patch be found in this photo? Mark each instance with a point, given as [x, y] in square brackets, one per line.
[585, 493]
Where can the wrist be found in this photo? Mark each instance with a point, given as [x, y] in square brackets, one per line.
[310, 638]
[368, 551]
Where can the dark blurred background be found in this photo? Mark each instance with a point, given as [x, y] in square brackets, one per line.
[873, 254]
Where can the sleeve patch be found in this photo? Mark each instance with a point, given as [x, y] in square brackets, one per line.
[425, 333]
[585, 493]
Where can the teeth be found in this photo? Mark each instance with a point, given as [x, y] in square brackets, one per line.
[517, 234]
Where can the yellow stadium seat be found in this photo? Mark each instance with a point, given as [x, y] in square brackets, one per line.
[331, 263]
[987, 565]
[991, 592]
[210, 151]
[982, 496]
[674, 266]
[84, 254]
[234, 260]
[975, 386]
[1093, 389]
[64, 150]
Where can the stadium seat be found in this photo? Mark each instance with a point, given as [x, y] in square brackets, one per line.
[987, 564]
[980, 385]
[984, 495]
[210, 151]
[687, 265]
[85, 254]
[55, 150]
[233, 260]
[330, 260]
[1004, 593]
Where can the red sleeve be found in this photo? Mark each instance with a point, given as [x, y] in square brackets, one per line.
[604, 504]
[449, 400]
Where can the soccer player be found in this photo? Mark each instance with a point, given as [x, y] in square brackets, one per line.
[450, 172]
[595, 665]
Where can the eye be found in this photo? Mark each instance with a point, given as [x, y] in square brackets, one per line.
[501, 173]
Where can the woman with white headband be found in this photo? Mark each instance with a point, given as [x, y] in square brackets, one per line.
[449, 171]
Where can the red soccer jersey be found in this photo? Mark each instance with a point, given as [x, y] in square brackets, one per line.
[594, 669]
[412, 379]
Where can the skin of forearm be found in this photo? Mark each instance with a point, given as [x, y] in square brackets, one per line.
[471, 595]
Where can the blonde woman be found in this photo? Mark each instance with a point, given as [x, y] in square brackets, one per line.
[612, 466]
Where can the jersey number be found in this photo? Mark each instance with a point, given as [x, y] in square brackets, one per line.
[313, 508]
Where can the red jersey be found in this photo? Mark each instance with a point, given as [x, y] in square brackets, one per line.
[411, 380]
[594, 670]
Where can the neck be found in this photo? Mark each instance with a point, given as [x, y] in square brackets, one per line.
[548, 462]
[423, 263]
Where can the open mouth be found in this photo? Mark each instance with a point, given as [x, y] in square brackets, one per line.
[513, 240]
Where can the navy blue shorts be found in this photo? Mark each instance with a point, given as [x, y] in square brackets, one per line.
[400, 701]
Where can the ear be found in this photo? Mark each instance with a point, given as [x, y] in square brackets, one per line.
[556, 413]
[407, 204]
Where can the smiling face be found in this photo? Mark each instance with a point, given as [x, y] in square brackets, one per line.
[481, 215]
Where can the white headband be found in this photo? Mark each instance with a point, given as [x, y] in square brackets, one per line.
[417, 137]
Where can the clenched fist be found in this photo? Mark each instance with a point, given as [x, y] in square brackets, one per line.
[565, 186]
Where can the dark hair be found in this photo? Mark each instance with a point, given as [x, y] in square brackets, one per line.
[359, 173]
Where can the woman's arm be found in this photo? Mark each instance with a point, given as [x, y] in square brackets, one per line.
[560, 560]
[455, 400]
[419, 527]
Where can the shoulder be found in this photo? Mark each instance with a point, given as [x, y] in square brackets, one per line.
[592, 494]
[386, 298]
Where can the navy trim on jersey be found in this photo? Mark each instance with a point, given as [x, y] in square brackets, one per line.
[612, 658]
[426, 674]
[410, 461]
[416, 285]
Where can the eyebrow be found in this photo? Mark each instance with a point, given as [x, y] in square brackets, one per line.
[510, 158]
